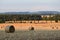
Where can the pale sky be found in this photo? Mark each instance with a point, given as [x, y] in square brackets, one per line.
[29, 5]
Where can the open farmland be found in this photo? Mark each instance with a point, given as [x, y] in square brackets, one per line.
[42, 25]
[42, 31]
[31, 35]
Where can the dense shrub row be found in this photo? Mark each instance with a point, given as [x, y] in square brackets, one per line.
[22, 17]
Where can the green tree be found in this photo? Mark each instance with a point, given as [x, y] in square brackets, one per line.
[56, 18]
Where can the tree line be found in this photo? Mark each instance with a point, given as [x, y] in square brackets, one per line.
[22, 17]
[19, 17]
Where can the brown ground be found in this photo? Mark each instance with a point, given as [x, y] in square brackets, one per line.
[42, 25]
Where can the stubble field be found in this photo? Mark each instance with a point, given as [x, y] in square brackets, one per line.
[31, 35]
[42, 31]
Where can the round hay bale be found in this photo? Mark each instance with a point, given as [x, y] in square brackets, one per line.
[9, 29]
[56, 27]
[31, 28]
[52, 27]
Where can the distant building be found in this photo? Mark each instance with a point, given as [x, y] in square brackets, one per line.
[46, 16]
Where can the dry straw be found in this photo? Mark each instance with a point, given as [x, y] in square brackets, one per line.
[10, 29]
[31, 28]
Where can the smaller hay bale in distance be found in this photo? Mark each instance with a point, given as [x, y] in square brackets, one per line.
[31, 28]
[52, 27]
[10, 29]
[56, 27]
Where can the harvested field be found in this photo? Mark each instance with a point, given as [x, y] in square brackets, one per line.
[42, 31]
[31, 35]
[42, 25]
